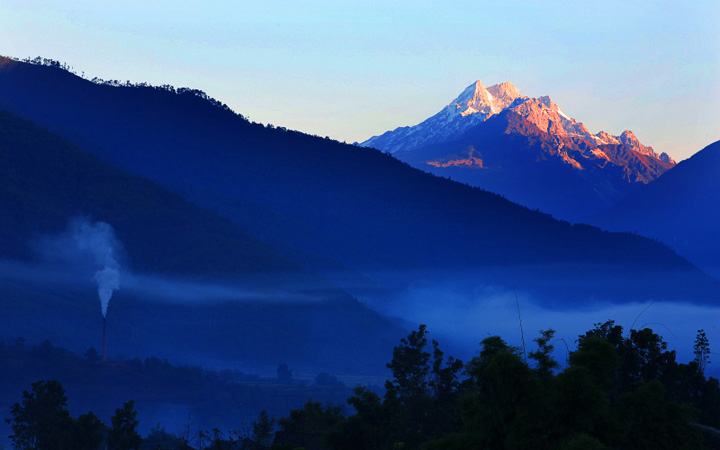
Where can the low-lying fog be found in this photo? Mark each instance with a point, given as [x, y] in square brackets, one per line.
[459, 308]
[460, 318]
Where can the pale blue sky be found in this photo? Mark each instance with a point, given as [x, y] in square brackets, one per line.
[352, 69]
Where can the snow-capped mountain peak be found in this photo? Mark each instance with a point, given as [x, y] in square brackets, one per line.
[477, 99]
[474, 105]
[504, 92]
[526, 148]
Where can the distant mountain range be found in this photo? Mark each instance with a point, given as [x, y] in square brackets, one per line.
[526, 149]
[355, 215]
[681, 208]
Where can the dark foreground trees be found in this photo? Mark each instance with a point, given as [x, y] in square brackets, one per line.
[618, 391]
[41, 421]
[123, 435]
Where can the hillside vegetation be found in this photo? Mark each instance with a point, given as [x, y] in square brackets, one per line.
[349, 207]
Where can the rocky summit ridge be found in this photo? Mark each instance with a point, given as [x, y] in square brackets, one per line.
[475, 99]
[526, 149]
[579, 147]
[540, 117]
[474, 105]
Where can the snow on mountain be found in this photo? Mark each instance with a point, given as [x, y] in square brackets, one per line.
[474, 105]
[522, 147]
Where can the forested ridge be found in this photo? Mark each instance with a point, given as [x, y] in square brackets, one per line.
[336, 207]
[616, 390]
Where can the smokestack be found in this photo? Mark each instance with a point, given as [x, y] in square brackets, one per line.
[97, 241]
[104, 354]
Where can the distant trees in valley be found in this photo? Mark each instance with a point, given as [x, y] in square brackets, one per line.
[211, 399]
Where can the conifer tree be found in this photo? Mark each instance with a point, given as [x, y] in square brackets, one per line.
[123, 435]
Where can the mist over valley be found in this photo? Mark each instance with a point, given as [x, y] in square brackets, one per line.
[185, 239]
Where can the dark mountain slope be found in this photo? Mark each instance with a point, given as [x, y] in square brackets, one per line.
[359, 206]
[330, 333]
[284, 314]
[45, 181]
[681, 208]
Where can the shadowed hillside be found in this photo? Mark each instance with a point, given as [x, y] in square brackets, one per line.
[194, 286]
[360, 207]
[681, 208]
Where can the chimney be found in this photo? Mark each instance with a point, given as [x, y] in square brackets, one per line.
[104, 350]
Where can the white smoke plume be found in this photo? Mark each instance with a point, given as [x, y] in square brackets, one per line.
[93, 243]
[98, 239]
[108, 280]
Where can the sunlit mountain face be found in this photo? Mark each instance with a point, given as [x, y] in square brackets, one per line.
[473, 106]
[526, 149]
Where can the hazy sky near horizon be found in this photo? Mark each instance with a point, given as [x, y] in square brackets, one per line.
[353, 69]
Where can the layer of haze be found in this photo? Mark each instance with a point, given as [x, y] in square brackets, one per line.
[460, 318]
[350, 70]
[458, 314]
